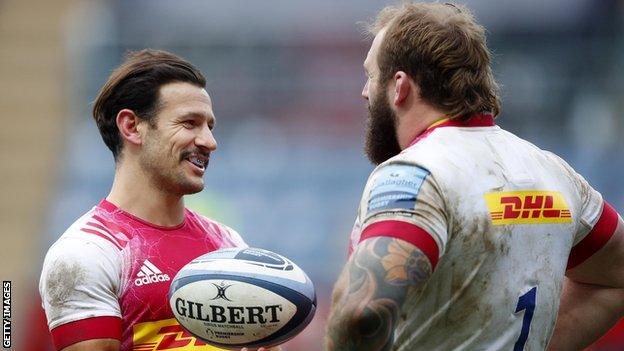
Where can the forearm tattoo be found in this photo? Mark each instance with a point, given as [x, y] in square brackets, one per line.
[370, 293]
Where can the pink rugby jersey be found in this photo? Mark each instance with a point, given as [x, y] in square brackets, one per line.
[108, 276]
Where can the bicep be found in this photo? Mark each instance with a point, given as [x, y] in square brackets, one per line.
[606, 266]
[95, 345]
[382, 270]
[371, 291]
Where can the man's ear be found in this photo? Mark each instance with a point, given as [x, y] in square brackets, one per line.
[128, 124]
[402, 88]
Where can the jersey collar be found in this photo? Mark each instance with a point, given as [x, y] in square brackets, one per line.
[111, 207]
[481, 120]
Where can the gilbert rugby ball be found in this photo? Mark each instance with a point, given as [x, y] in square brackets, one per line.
[242, 297]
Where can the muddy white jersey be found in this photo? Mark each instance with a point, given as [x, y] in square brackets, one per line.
[499, 220]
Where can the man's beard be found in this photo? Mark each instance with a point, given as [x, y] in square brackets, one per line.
[381, 135]
[163, 172]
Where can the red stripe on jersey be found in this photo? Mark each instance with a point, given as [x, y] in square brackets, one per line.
[86, 329]
[101, 235]
[121, 242]
[481, 120]
[111, 224]
[596, 239]
[101, 220]
[411, 233]
[99, 226]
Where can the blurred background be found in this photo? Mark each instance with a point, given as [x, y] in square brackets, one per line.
[285, 77]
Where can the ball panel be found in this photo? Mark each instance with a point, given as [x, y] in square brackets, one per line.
[274, 299]
[241, 266]
[238, 313]
[304, 308]
[267, 258]
[294, 279]
[229, 252]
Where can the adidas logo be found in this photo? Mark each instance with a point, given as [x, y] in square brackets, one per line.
[150, 274]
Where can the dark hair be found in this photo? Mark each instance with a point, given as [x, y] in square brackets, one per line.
[444, 50]
[135, 85]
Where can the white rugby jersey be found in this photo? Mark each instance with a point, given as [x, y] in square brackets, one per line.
[499, 220]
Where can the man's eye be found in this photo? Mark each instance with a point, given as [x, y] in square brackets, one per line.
[188, 124]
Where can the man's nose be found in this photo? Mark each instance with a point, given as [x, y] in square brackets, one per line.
[206, 139]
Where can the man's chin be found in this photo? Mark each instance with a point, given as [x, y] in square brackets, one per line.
[193, 188]
[189, 184]
[377, 158]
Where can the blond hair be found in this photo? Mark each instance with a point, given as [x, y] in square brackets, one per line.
[443, 48]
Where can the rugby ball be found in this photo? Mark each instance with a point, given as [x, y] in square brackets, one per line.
[242, 297]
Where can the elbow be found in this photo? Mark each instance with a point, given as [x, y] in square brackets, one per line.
[368, 328]
[377, 321]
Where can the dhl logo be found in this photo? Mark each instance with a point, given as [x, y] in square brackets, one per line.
[166, 334]
[528, 207]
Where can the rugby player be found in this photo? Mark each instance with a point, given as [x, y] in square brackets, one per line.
[105, 282]
[465, 232]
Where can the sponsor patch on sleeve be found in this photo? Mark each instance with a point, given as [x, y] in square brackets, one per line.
[396, 186]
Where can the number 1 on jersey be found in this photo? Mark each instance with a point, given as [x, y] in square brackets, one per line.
[526, 302]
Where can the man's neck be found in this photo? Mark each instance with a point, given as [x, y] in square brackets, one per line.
[135, 193]
[416, 123]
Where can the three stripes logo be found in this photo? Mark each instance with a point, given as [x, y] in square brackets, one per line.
[528, 207]
[98, 226]
[150, 274]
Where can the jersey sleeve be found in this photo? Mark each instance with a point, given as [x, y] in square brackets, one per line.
[596, 238]
[236, 239]
[403, 201]
[79, 289]
[597, 219]
[227, 236]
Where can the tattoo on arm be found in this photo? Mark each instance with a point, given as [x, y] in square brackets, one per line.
[370, 292]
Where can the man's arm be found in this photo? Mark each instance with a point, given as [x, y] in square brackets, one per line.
[586, 313]
[370, 293]
[606, 266]
[592, 300]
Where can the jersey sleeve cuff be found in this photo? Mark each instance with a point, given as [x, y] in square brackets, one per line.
[86, 329]
[411, 233]
[597, 237]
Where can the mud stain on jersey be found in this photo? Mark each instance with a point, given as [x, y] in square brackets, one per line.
[504, 245]
[62, 281]
[477, 243]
